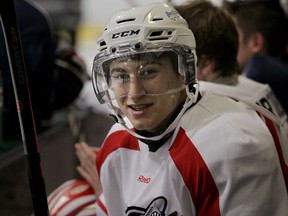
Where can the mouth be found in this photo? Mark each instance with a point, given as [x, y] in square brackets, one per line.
[139, 107]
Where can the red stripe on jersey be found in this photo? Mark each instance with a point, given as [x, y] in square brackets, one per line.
[274, 134]
[102, 206]
[196, 175]
[116, 140]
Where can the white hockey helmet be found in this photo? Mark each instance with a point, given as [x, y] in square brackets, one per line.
[144, 32]
[74, 197]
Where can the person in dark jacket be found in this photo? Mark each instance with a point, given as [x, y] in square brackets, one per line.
[56, 73]
[263, 43]
[38, 44]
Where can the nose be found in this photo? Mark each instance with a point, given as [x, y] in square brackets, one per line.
[136, 87]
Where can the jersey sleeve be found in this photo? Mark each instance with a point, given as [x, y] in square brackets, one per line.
[100, 206]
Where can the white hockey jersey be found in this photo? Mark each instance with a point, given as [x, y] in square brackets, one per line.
[221, 160]
[249, 91]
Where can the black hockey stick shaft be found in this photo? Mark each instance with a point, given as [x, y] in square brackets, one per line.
[23, 101]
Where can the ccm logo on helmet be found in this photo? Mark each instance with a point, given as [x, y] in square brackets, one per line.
[125, 34]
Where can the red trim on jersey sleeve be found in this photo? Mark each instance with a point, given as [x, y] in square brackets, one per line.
[274, 134]
[196, 175]
[116, 140]
[102, 206]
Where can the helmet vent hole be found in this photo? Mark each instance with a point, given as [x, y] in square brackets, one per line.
[126, 20]
[103, 43]
[157, 19]
[156, 33]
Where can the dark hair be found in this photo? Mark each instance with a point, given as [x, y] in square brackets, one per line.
[234, 5]
[215, 34]
[265, 17]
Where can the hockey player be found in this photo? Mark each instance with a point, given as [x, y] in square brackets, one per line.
[218, 68]
[173, 150]
[263, 43]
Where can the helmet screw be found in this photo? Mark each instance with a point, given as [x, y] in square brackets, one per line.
[137, 46]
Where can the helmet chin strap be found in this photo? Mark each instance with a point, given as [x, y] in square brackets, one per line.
[191, 99]
[193, 96]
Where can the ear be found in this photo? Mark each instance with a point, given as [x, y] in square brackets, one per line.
[205, 68]
[257, 43]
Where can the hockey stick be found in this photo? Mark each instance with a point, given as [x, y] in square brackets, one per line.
[23, 101]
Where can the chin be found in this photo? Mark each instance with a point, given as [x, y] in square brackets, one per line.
[142, 126]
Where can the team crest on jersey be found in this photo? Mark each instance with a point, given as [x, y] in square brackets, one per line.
[157, 207]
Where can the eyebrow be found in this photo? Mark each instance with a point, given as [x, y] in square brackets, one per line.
[118, 69]
[143, 63]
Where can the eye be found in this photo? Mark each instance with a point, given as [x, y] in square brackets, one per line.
[148, 72]
[120, 77]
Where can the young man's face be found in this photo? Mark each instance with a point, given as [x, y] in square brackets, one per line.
[140, 86]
